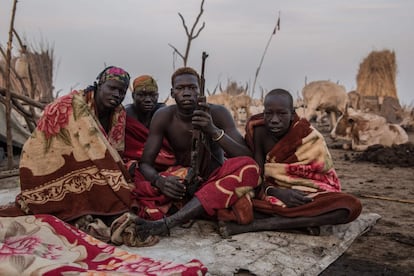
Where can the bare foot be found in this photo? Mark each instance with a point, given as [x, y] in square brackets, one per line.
[225, 229]
[314, 230]
[145, 228]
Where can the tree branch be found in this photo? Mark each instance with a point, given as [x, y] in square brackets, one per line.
[176, 51]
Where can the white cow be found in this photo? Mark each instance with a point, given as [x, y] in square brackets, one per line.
[324, 96]
[367, 129]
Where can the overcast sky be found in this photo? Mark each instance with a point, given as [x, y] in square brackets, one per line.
[318, 39]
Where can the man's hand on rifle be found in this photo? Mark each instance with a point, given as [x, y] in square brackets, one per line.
[171, 186]
[202, 119]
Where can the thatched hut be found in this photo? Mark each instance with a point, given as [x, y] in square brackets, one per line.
[376, 84]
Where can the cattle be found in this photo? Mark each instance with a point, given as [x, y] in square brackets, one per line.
[325, 96]
[367, 129]
[354, 100]
[256, 106]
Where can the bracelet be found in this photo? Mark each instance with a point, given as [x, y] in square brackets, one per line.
[132, 165]
[218, 137]
[267, 189]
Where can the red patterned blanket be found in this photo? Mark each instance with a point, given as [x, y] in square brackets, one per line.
[45, 245]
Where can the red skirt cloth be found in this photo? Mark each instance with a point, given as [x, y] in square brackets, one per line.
[235, 178]
[321, 204]
[136, 134]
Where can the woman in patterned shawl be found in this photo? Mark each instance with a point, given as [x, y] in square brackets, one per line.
[71, 164]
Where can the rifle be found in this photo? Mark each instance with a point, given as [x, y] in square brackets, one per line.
[198, 141]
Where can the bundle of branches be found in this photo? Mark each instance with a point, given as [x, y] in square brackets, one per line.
[377, 74]
[18, 103]
[41, 68]
[31, 82]
[31, 74]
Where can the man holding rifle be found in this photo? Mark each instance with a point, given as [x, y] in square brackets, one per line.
[227, 174]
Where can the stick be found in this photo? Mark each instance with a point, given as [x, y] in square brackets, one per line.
[277, 27]
[9, 173]
[8, 96]
[26, 99]
[389, 198]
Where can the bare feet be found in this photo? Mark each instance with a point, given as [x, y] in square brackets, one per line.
[226, 229]
[145, 228]
[123, 231]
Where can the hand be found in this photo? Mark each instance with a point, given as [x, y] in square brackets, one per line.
[202, 119]
[291, 197]
[171, 186]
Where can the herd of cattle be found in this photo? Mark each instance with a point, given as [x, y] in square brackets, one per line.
[357, 124]
[349, 120]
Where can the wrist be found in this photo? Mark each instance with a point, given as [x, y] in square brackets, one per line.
[218, 135]
[266, 191]
[155, 180]
[131, 165]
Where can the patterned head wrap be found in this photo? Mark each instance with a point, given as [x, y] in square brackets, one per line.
[144, 83]
[114, 73]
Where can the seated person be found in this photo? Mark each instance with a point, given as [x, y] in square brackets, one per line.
[139, 115]
[300, 187]
[71, 165]
[170, 198]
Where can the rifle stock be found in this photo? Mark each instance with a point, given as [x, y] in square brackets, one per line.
[193, 179]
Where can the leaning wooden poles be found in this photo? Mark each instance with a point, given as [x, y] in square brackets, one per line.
[8, 93]
[277, 27]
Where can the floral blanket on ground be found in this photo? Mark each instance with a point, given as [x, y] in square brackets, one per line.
[300, 160]
[70, 166]
[45, 245]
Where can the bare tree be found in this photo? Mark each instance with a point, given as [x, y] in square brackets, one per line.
[191, 34]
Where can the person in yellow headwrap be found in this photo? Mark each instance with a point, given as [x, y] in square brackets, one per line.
[139, 115]
[145, 100]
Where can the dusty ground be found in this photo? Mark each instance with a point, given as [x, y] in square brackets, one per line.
[388, 248]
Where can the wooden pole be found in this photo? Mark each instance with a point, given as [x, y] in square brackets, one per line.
[388, 198]
[24, 98]
[23, 49]
[277, 27]
[8, 95]
[9, 173]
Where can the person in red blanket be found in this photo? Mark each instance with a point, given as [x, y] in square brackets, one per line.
[139, 115]
[228, 173]
[300, 187]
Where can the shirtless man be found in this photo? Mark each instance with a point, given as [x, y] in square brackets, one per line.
[219, 190]
[300, 188]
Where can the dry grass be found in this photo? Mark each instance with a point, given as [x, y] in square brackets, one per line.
[32, 73]
[377, 74]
